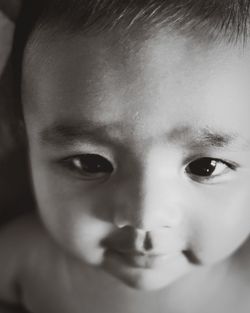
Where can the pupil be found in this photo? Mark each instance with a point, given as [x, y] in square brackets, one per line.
[92, 163]
[203, 167]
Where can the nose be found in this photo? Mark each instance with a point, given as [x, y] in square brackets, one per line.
[147, 216]
[148, 204]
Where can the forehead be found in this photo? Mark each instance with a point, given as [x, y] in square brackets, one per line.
[166, 78]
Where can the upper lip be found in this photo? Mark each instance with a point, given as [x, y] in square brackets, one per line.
[136, 253]
[128, 250]
[123, 242]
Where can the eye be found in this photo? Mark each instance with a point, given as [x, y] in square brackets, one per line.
[89, 166]
[208, 168]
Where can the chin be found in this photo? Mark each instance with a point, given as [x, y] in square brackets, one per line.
[145, 279]
[146, 276]
[145, 282]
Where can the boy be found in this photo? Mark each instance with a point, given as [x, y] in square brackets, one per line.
[137, 122]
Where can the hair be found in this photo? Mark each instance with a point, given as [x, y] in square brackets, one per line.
[226, 20]
[227, 17]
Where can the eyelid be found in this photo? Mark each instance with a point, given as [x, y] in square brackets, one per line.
[80, 154]
[86, 148]
[230, 165]
[192, 158]
[67, 163]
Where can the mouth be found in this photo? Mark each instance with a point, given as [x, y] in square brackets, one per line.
[138, 259]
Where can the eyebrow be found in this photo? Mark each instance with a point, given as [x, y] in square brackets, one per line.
[70, 133]
[206, 137]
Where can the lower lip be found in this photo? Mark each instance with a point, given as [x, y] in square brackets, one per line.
[140, 261]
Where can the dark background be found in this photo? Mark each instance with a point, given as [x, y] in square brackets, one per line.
[15, 187]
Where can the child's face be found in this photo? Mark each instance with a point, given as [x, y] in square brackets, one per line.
[140, 151]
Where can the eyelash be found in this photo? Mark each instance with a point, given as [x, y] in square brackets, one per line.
[97, 167]
[89, 166]
[200, 164]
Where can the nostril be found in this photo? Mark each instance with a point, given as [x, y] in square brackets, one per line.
[148, 245]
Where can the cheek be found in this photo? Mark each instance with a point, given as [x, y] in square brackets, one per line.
[221, 224]
[76, 218]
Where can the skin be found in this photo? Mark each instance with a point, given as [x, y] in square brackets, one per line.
[149, 109]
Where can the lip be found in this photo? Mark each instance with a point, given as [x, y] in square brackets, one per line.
[139, 260]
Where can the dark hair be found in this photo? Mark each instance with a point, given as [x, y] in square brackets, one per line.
[226, 17]
[212, 19]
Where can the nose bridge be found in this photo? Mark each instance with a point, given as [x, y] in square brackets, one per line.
[148, 200]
